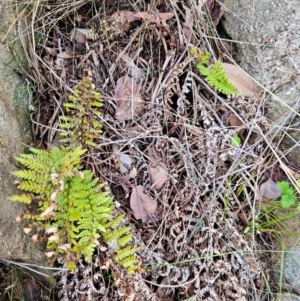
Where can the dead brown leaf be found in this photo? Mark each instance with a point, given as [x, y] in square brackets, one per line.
[158, 175]
[141, 204]
[154, 18]
[240, 79]
[269, 189]
[128, 99]
[79, 36]
[233, 121]
[125, 17]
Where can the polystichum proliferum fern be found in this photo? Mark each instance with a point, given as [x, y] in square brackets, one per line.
[73, 210]
[80, 123]
[215, 74]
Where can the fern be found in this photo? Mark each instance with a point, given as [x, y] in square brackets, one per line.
[79, 123]
[73, 211]
[215, 74]
[72, 204]
[125, 253]
[80, 209]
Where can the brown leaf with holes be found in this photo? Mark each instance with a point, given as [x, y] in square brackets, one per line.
[154, 18]
[158, 175]
[141, 204]
[269, 189]
[125, 17]
[128, 99]
[240, 79]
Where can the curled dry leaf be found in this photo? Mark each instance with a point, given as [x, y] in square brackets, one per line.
[49, 254]
[240, 79]
[27, 230]
[49, 210]
[35, 238]
[65, 247]
[158, 175]
[51, 230]
[141, 204]
[19, 218]
[128, 99]
[269, 189]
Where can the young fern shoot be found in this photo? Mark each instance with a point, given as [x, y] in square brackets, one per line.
[215, 74]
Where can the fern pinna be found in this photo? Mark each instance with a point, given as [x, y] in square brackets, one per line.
[80, 123]
[215, 74]
[73, 211]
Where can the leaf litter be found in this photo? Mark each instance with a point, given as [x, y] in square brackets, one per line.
[142, 205]
[157, 108]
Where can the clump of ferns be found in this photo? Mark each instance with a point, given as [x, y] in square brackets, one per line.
[80, 123]
[73, 212]
[214, 74]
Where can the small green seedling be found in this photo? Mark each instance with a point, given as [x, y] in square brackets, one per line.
[288, 194]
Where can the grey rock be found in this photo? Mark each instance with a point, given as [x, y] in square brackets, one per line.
[14, 135]
[267, 39]
[291, 267]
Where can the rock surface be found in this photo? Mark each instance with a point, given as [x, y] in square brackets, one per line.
[14, 134]
[267, 37]
[291, 271]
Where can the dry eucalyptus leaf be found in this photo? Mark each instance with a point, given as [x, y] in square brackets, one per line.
[269, 189]
[141, 204]
[128, 99]
[240, 79]
[158, 175]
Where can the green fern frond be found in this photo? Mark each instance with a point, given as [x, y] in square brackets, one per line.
[215, 74]
[82, 110]
[124, 240]
[125, 252]
[116, 234]
[134, 268]
[113, 223]
[128, 261]
[22, 198]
